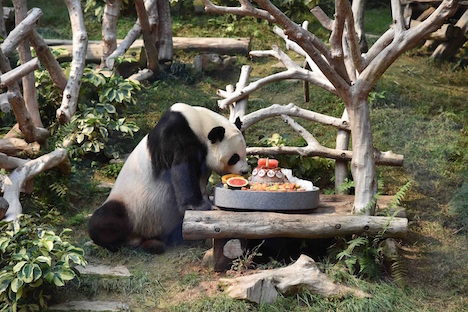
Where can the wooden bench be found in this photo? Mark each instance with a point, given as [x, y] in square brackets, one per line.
[333, 218]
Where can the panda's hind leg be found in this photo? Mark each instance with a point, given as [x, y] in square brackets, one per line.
[109, 226]
[153, 246]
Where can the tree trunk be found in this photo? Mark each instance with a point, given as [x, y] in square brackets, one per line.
[80, 43]
[362, 163]
[164, 34]
[341, 165]
[29, 81]
[109, 28]
[150, 46]
[3, 32]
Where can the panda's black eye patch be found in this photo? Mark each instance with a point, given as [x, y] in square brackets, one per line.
[233, 160]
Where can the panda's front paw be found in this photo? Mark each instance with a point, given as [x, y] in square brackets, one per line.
[204, 205]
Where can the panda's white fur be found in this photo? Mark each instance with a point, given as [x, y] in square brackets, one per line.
[165, 175]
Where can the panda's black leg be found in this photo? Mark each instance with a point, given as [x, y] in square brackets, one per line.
[185, 179]
[153, 246]
[109, 226]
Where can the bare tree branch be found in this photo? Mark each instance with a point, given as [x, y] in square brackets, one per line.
[21, 31]
[292, 110]
[16, 179]
[246, 9]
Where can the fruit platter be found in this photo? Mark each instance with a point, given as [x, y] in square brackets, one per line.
[269, 188]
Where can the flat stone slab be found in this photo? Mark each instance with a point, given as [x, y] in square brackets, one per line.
[105, 270]
[90, 306]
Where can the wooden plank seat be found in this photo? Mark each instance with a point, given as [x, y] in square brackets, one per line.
[333, 218]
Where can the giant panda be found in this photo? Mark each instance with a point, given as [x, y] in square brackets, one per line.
[165, 175]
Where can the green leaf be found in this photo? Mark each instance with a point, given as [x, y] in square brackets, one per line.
[110, 108]
[44, 259]
[103, 131]
[80, 138]
[4, 242]
[16, 284]
[19, 266]
[37, 283]
[119, 96]
[111, 95]
[124, 129]
[48, 244]
[4, 283]
[67, 275]
[88, 130]
[27, 273]
[37, 272]
[58, 281]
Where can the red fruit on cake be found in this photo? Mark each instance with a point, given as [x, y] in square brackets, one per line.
[267, 170]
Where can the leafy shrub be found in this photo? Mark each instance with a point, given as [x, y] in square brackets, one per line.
[363, 254]
[111, 170]
[100, 98]
[34, 260]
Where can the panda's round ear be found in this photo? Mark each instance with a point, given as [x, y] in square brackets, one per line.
[238, 123]
[216, 134]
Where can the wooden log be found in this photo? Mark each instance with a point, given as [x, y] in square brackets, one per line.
[448, 49]
[258, 225]
[13, 146]
[228, 46]
[263, 287]
[444, 33]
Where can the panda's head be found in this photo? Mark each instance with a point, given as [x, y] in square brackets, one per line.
[225, 144]
[227, 150]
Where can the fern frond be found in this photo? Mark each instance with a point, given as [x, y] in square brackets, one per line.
[346, 185]
[398, 198]
[398, 271]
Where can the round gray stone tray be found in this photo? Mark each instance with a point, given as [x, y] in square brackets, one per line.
[266, 201]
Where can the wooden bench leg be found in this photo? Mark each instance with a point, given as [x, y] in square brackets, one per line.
[225, 250]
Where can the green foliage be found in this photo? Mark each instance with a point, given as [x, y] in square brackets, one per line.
[363, 255]
[111, 170]
[34, 260]
[100, 98]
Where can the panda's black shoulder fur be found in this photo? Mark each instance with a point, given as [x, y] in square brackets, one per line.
[172, 142]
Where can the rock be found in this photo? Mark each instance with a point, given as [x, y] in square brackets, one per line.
[99, 269]
[90, 306]
[209, 62]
